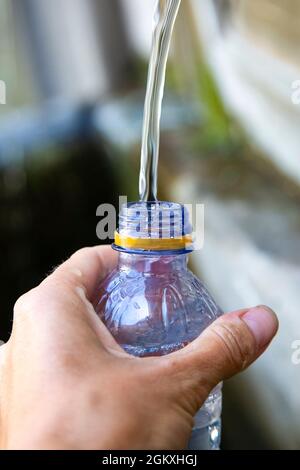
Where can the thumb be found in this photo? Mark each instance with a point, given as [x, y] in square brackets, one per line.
[226, 347]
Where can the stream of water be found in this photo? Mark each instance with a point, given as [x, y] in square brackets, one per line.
[164, 20]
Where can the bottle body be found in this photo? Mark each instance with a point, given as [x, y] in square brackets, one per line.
[154, 305]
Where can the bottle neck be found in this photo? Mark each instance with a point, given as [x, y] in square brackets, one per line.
[153, 264]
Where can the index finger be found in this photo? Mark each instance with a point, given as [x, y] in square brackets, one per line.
[61, 299]
[89, 265]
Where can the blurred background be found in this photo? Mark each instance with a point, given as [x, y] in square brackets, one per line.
[75, 76]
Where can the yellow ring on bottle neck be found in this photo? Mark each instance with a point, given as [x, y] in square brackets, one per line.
[178, 243]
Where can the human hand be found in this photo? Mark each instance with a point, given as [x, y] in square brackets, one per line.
[66, 384]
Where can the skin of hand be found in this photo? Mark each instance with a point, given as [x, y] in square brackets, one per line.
[66, 384]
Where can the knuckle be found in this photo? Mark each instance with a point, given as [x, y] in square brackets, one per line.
[82, 252]
[237, 343]
[25, 303]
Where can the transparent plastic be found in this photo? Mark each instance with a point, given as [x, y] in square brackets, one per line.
[158, 219]
[153, 305]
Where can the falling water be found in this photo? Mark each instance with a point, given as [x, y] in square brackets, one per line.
[164, 22]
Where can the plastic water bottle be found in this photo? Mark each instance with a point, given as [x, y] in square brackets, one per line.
[152, 303]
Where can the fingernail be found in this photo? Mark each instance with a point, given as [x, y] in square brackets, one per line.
[263, 323]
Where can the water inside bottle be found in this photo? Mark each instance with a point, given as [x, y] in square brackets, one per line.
[154, 305]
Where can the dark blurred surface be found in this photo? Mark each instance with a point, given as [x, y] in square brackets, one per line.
[239, 430]
[48, 211]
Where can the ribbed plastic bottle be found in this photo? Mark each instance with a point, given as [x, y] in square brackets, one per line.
[152, 303]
